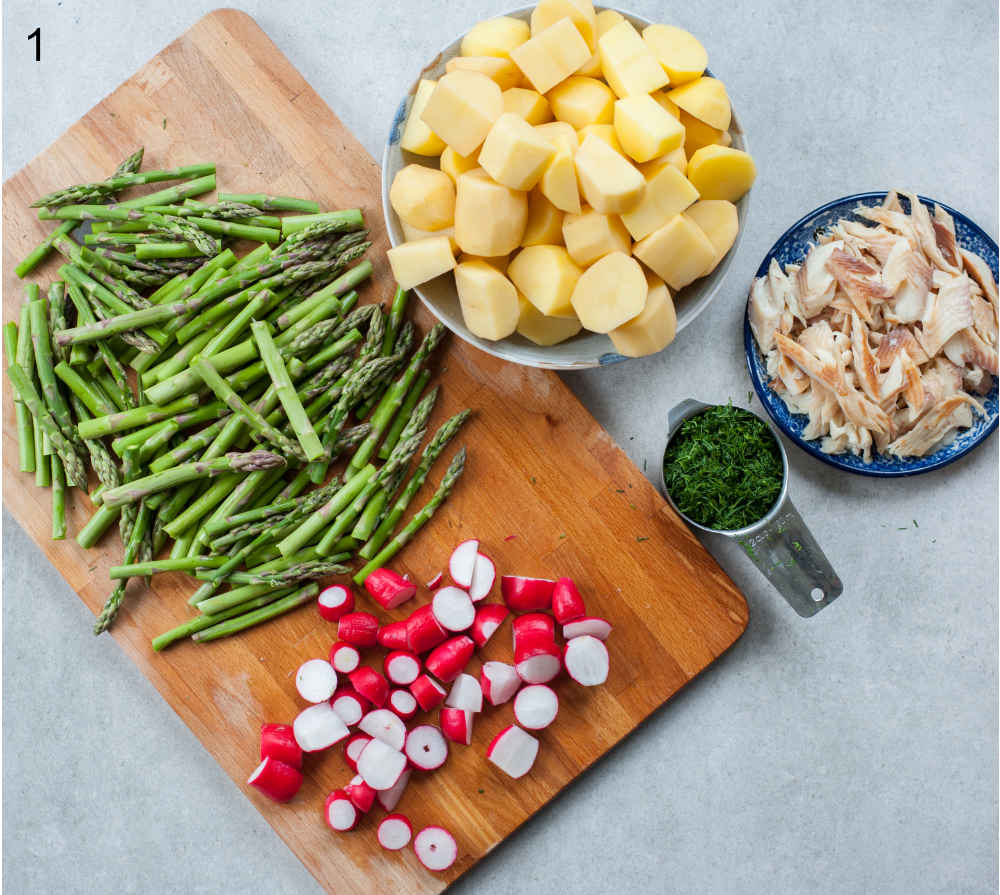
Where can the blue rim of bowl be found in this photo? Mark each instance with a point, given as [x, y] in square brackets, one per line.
[772, 402]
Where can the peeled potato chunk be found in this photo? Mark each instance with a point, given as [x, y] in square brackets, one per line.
[605, 132]
[668, 192]
[581, 101]
[488, 300]
[489, 217]
[529, 104]
[678, 252]
[679, 52]
[411, 234]
[455, 165]
[502, 71]
[542, 330]
[705, 99]
[719, 221]
[720, 172]
[698, 134]
[590, 235]
[546, 276]
[653, 328]
[462, 109]
[628, 63]
[545, 221]
[551, 55]
[609, 183]
[417, 262]
[514, 154]
[423, 197]
[558, 183]
[417, 137]
[495, 37]
[499, 262]
[609, 292]
[677, 158]
[579, 12]
[645, 129]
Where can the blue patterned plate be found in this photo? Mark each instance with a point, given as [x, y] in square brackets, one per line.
[791, 248]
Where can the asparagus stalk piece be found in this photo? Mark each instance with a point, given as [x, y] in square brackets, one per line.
[208, 500]
[307, 531]
[114, 602]
[100, 426]
[99, 522]
[272, 203]
[57, 315]
[151, 567]
[302, 572]
[45, 370]
[119, 181]
[58, 499]
[24, 357]
[149, 251]
[201, 622]
[396, 313]
[265, 613]
[348, 219]
[88, 391]
[405, 410]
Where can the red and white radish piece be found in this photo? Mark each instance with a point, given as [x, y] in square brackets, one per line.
[567, 604]
[277, 780]
[370, 684]
[334, 602]
[483, 575]
[586, 660]
[513, 751]
[277, 741]
[456, 724]
[435, 848]
[447, 660]
[389, 589]
[316, 680]
[426, 747]
[319, 727]
[389, 798]
[386, 726]
[361, 794]
[380, 765]
[403, 703]
[353, 749]
[534, 624]
[536, 706]
[537, 659]
[394, 635]
[453, 608]
[423, 632]
[588, 626]
[359, 629]
[465, 694]
[401, 667]
[526, 594]
[427, 691]
[350, 705]
[394, 832]
[488, 619]
[340, 813]
[344, 657]
[462, 564]
[499, 682]
[435, 582]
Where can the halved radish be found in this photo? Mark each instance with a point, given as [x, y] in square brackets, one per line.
[465, 694]
[350, 705]
[370, 684]
[526, 594]
[435, 582]
[335, 601]
[462, 564]
[380, 765]
[386, 726]
[435, 848]
[488, 619]
[389, 798]
[361, 794]
[423, 632]
[537, 660]
[403, 703]
[483, 576]
[278, 741]
[426, 747]
[394, 635]
[316, 680]
[453, 608]
[388, 588]
[427, 691]
[277, 780]
[319, 727]
[513, 751]
[394, 832]
[358, 629]
[447, 660]
[499, 682]
[401, 667]
[536, 706]
[456, 724]
[340, 812]
[567, 604]
[586, 660]
[588, 626]
[344, 657]
[353, 749]
[534, 624]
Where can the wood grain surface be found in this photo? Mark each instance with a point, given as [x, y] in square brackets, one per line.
[545, 489]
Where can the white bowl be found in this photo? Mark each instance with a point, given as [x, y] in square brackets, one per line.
[439, 295]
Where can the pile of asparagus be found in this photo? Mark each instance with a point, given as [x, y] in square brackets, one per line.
[212, 394]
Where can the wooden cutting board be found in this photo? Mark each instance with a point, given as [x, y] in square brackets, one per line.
[545, 489]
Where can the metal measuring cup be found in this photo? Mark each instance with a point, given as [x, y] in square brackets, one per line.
[779, 544]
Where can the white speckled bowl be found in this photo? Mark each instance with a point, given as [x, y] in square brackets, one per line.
[585, 349]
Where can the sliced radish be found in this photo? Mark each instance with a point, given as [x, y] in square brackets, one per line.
[353, 749]
[350, 705]
[536, 706]
[499, 682]
[334, 602]
[435, 582]
[462, 564]
[370, 684]
[483, 576]
[319, 727]
[456, 724]
[435, 848]
[344, 657]
[427, 691]
[447, 660]
[403, 703]
[426, 747]
[401, 667]
[453, 609]
[465, 694]
[488, 619]
[358, 629]
[389, 798]
[386, 726]
[537, 660]
[340, 812]
[586, 660]
[513, 751]
[316, 680]
[277, 741]
[389, 589]
[380, 765]
[361, 794]
[394, 635]
[526, 594]
[567, 604]
[534, 624]
[423, 632]
[394, 832]
[590, 625]
[277, 780]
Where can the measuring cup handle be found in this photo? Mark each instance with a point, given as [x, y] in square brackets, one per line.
[789, 557]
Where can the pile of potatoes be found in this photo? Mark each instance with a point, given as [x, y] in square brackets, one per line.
[585, 171]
